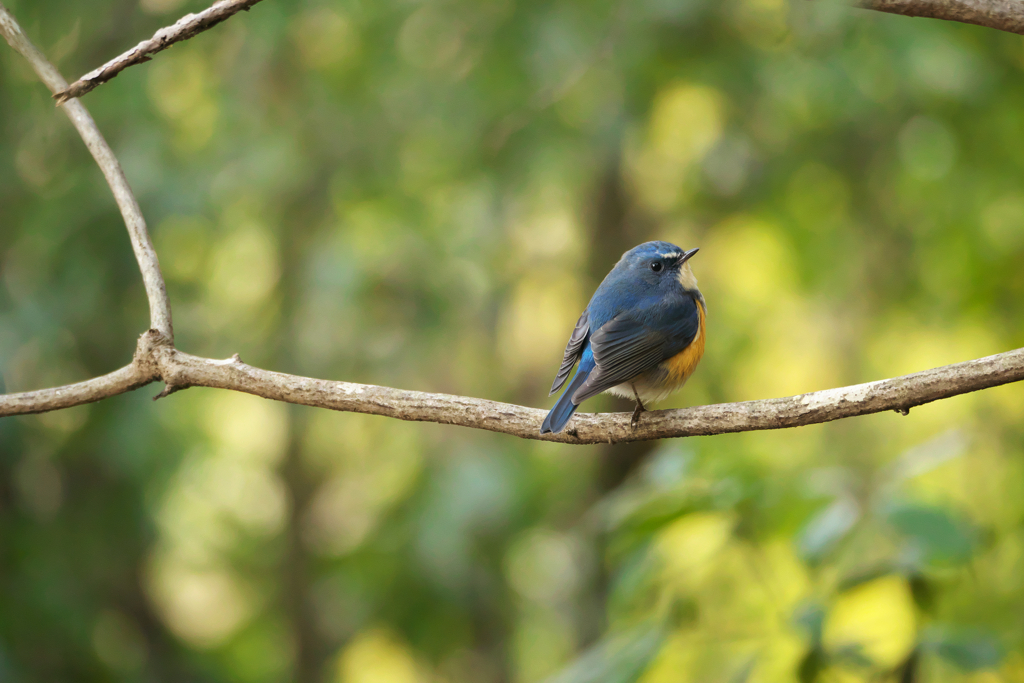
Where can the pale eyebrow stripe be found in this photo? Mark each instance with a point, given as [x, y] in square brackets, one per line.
[673, 254]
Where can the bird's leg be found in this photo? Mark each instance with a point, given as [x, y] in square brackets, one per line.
[634, 422]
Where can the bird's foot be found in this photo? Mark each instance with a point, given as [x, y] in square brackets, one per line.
[634, 421]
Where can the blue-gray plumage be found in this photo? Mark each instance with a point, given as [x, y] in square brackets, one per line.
[641, 336]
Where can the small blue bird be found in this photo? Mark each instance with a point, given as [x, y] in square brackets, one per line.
[641, 336]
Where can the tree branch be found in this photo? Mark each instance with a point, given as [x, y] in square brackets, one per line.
[140, 372]
[899, 394]
[156, 292]
[155, 359]
[1004, 15]
[183, 29]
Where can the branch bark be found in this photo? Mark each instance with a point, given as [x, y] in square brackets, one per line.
[183, 29]
[1003, 15]
[156, 359]
[156, 292]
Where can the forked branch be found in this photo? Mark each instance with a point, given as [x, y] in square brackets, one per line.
[157, 359]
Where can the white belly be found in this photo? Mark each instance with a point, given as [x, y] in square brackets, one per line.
[650, 387]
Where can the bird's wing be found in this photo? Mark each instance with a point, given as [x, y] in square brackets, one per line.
[631, 344]
[573, 351]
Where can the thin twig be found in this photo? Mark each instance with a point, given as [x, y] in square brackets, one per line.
[183, 29]
[156, 292]
[44, 400]
[140, 372]
[155, 360]
[1003, 15]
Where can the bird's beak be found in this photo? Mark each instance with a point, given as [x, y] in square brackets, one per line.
[687, 255]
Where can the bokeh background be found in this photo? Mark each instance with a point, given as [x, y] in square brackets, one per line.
[423, 195]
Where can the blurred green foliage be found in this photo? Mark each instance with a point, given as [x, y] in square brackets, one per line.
[423, 195]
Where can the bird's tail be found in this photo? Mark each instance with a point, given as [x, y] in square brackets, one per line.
[564, 407]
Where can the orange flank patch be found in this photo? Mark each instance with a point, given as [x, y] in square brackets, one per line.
[682, 365]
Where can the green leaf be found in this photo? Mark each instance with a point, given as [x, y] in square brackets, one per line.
[935, 535]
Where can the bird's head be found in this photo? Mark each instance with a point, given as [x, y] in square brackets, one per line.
[660, 264]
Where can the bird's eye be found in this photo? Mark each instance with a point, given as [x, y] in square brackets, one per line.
[656, 266]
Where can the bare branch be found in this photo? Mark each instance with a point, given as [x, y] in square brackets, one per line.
[155, 359]
[183, 29]
[89, 391]
[1004, 15]
[139, 373]
[899, 394]
[156, 292]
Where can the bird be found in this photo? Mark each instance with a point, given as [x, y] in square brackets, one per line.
[641, 336]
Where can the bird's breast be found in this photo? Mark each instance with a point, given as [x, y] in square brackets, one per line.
[680, 366]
